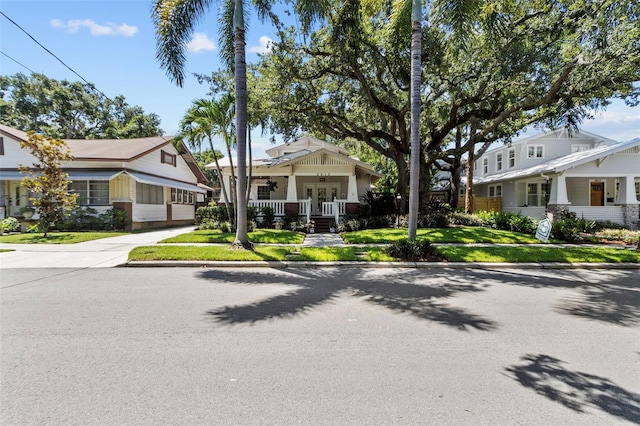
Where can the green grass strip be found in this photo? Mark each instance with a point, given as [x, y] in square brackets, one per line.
[58, 237]
[463, 235]
[271, 253]
[263, 236]
[520, 254]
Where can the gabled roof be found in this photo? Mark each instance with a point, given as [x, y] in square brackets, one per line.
[308, 143]
[121, 150]
[560, 164]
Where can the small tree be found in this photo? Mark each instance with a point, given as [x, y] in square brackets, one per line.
[46, 179]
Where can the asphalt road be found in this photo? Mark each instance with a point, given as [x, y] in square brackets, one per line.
[143, 346]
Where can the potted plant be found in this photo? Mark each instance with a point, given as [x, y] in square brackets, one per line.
[332, 227]
[311, 227]
[27, 212]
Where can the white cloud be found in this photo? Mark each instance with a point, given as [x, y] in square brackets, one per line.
[264, 46]
[74, 25]
[199, 42]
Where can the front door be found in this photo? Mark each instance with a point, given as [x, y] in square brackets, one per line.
[320, 193]
[597, 193]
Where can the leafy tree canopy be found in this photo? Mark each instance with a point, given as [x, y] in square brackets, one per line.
[70, 110]
[521, 63]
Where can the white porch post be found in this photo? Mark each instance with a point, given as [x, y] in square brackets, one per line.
[352, 192]
[627, 191]
[559, 190]
[292, 188]
[226, 181]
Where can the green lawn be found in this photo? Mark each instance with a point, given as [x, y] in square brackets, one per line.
[466, 235]
[58, 237]
[518, 254]
[219, 253]
[264, 236]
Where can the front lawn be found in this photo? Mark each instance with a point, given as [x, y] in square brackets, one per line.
[263, 236]
[462, 235]
[519, 254]
[271, 253]
[58, 237]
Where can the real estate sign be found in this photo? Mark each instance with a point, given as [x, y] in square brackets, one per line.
[544, 230]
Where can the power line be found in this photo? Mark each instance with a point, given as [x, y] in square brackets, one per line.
[52, 54]
[22, 65]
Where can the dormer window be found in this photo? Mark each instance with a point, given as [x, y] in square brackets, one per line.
[498, 161]
[485, 166]
[512, 158]
[535, 151]
[579, 147]
[168, 158]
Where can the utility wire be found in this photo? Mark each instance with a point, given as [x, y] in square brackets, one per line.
[52, 54]
[22, 65]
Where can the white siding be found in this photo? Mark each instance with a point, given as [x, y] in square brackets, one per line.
[182, 212]
[149, 212]
[151, 164]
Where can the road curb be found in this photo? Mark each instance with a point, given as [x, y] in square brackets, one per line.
[369, 265]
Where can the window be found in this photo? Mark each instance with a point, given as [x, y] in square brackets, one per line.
[1, 145]
[637, 190]
[485, 166]
[535, 151]
[532, 194]
[181, 196]
[167, 158]
[498, 161]
[538, 193]
[149, 194]
[495, 191]
[91, 192]
[579, 148]
[512, 158]
[475, 166]
[263, 192]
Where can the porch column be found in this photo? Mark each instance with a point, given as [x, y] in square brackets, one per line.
[627, 191]
[352, 192]
[292, 189]
[559, 190]
[226, 181]
[629, 202]
[558, 199]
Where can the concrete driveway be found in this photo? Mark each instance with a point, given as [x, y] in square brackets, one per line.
[103, 253]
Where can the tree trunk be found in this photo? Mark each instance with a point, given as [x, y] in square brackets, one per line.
[416, 68]
[242, 238]
[468, 197]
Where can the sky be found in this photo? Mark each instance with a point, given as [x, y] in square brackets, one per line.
[111, 43]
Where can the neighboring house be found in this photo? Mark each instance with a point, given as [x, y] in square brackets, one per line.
[307, 177]
[595, 177]
[154, 183]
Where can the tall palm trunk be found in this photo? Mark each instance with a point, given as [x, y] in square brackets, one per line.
[242, 238]
[250, 168]
[416, 65]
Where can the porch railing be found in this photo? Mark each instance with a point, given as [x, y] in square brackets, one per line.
[276, 205]
[332, 207]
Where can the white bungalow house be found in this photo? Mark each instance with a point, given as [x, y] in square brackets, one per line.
[307, 177]
[154, 183]
[595, 177]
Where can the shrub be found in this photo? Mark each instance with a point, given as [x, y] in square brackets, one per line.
[267, 217]
[508, 221]
[9, 224]
[566, 230]
[464, 219]
[211, 213]
[410, 250]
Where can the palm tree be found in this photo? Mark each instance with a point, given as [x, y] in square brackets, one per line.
[207, 119]
[174, 21]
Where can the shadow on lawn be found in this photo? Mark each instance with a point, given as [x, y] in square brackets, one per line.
[399, 290]
[575, 390]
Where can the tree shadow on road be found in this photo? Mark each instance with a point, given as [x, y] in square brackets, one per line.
[575, 390]
[404, 291]
[610, 296]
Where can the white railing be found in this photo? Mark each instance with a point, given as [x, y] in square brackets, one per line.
[276, 205]
[304, 208]
[603, 213]
[334, 208]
